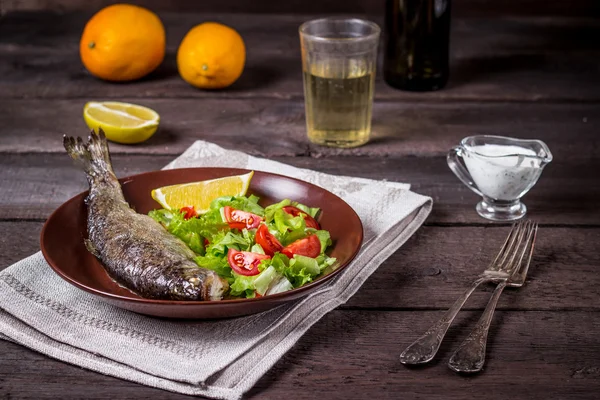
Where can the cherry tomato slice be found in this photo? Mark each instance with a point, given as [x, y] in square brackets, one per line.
[189, 212]
[310, 221]
[310, 246]
[245, 262]
[241, 219]
[267, 241]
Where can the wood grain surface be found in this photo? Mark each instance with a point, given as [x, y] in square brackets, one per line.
[418, 278]
[522, 68]
[532, 355]
[513, 58]
[460, 8]
[36, 184]
[276, 128]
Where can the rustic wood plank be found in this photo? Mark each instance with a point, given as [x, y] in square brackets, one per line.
[565, 194]
[428, 272]
[36, 184]
[437, 264]
[39, 32]
[49, 181]
[530, 355]
[18, 240]
[270, 127]
[493, 59]
[518, 358]
[460, 7]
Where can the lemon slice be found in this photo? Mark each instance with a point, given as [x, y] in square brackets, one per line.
[121, 122]
[200, 194]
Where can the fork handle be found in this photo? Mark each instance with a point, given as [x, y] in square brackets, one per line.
[470, 355]
[424, 348]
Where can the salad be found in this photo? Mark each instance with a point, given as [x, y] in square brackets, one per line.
[259, 251]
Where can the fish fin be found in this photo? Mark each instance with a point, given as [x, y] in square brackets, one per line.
[92, 156]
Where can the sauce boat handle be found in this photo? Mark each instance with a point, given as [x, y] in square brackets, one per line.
[453, 160]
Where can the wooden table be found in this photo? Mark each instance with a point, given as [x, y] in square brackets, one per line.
[516, 70]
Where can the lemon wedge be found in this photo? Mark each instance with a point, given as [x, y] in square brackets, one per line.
[121, 122]
[200, 194]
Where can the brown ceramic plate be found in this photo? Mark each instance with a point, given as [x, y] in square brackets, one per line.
[63, 234]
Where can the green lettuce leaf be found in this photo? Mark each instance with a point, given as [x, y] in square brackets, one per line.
[242, 286]
[281, 285]
[298, 270]
[279, 261]
[214, 217]
[217, 264]
[285, 222]
[257, 248]
[192, 231]
[302, 270]
[326, 263]
[247, 285]
[288, 228]
[312, 211]
[270, 210]
[248, 204]
[221, 242]
[264, 280]
[324, 238]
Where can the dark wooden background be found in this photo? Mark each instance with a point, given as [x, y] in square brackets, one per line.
[526, 68]
[461, 8]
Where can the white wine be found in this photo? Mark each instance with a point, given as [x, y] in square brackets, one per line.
[338, 61]
[339, 106]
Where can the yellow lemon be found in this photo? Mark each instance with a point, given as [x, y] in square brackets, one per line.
[121, 122]
[200, 194]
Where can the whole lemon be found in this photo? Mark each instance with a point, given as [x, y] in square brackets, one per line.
[122, 42]
[211, 56]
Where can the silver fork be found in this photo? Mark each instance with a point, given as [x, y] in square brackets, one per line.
[470, 355]
[424, 348]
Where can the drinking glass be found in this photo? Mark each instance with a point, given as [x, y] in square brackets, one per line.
[338, 63]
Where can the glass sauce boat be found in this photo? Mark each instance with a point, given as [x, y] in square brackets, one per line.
[501, 170]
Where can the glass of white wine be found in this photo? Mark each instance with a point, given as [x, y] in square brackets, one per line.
[338, 62]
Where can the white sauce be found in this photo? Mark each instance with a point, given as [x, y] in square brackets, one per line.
[502, 172]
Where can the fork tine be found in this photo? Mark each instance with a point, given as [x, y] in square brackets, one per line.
[521, 272]
[506, 244]
[511, 244]
[510, 265]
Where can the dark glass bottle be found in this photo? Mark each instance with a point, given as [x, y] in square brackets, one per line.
[417, 37]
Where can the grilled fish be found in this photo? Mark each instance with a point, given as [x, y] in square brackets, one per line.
[135, 250]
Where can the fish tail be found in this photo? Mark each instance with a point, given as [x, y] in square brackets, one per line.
[92, 156]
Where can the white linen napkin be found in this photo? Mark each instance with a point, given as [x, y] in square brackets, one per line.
[41, 311]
